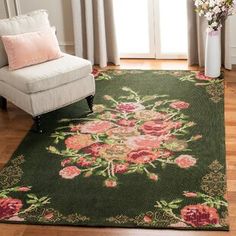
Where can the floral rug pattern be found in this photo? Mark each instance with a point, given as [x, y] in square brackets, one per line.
[149, 156]
[131, 134]
[203, 213]
[214, 87]
[14, 209]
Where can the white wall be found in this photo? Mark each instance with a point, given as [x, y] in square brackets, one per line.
[60, 14]
[233, 38]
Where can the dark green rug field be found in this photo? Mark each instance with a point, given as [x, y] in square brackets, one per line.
[152, 155]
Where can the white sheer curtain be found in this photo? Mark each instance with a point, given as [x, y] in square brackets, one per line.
[94, 31]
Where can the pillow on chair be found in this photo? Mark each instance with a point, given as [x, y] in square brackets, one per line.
[31, 48]
[34, 21]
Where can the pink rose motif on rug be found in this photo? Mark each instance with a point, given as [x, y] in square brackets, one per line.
[179, 105]
[70, 172]
[204, 214]
[200, 215]
[14, 209]
[95, 127]
[185, 161]
[126, 135]
[9, 207]
[129, 107]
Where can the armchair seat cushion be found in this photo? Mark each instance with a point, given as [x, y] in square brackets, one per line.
[47, 75]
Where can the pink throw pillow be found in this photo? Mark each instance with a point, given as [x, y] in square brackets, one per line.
[31, 48]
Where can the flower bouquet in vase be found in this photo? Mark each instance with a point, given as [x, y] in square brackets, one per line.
[215, 12]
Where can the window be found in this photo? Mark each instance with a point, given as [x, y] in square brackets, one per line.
[133, 23]
[151, 28]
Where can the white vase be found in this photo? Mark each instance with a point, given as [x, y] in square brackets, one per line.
[213, 54]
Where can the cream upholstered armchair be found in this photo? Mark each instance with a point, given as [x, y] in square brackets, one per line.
[44, 87]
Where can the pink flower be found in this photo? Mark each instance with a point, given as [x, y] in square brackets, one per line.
[124, 122]
[95, 72]
[114, 152]
[164, 153]
[110, 183]
[79, 141]
[23, 189]
[147, 115]
[176, 125]
[121, 168]
[153, 176]
[185, 161]
[95, 127]
[190, 194]
[83, 162]
[48, 216]
[200, 215]
[143, 141]
[74, 128]
[94, 149]
[200, 75]
[147, 219]
[65, 162]
[9, 207]
[69, 172]
[158, 127]
[122, 132]
[141, 156]
[179, 105]
[129, 107]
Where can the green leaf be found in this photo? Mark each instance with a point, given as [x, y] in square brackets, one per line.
[42, 199]
[127, 89]
[163, 165]
[166, 209]
[47, 201]
[102, 135]
[109, 141]
[94, 136]
[56, 141]
[173, 206]
[177, 201]
[148, 98]
[101, 172]
[130, 171]
[103, 163]
[184, 131]
[53, 150]
[130, 97]
[140, 171]
[164, 203]
[98, 160]
[31, 201]
[158, 205]
[33, 196]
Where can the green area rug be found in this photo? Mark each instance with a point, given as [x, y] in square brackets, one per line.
[152, 155]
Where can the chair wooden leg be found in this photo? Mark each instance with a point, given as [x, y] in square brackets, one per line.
[37, 122]
[3, 103]
[90, 102]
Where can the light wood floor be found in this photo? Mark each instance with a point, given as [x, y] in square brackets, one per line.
[15, 123]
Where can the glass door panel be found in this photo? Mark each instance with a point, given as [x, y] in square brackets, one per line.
[135, 34]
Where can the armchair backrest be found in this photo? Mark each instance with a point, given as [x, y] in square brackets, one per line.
[31, 22]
